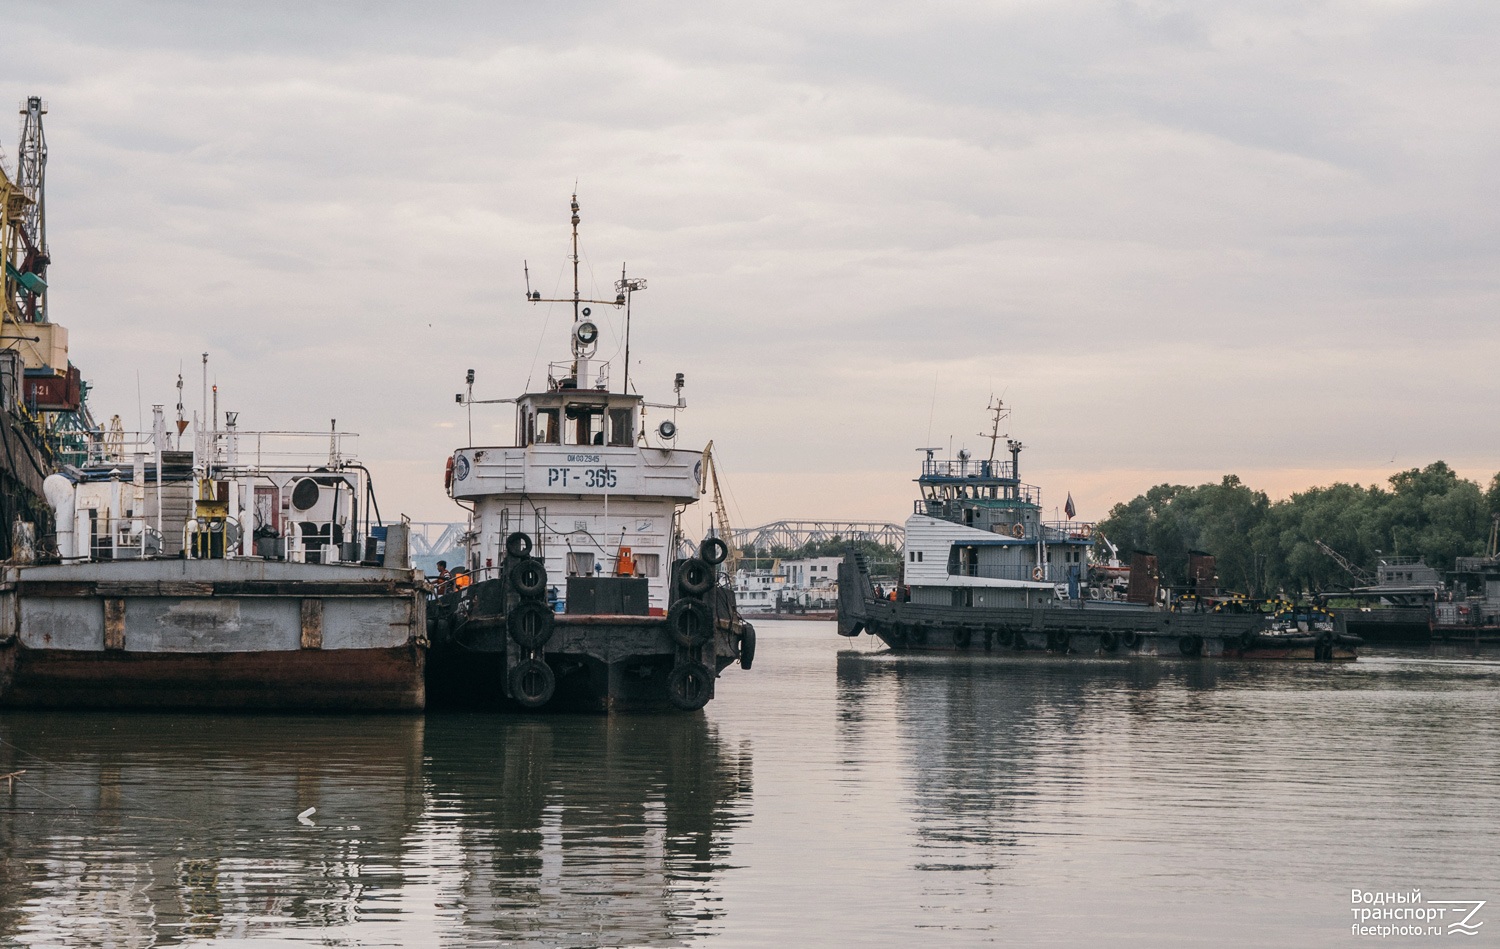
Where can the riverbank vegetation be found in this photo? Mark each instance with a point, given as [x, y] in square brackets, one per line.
[1266, 546]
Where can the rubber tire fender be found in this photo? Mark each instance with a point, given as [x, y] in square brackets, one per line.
[713, 550]
[1130, 639]
[1190, 645]
[1109, 641]
[532, 683]
[689, 686]
[962, 637]
[690, 622]
[747, 646]
[530, 624]
[518, 544]
[528, 577]
[694, 577]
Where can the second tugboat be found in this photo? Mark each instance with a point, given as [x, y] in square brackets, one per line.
[982, 570]
[576, 593]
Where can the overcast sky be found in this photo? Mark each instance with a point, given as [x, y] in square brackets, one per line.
[1181, 239]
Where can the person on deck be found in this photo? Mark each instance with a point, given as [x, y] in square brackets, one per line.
[443, 582]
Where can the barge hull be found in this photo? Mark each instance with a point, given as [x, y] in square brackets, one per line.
[329, 680]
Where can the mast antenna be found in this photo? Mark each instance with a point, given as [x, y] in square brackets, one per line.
[626, 287]
[998, 409]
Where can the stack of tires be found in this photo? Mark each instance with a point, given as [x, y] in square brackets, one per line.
[528, 623]
[691, 620]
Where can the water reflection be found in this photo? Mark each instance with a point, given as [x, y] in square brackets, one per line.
[1138, 782]
[136, 830]
[588, 830]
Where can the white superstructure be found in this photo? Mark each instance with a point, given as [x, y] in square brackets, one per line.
[597, 492]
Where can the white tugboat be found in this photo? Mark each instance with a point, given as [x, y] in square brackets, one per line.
[574, 593]
[981, 570]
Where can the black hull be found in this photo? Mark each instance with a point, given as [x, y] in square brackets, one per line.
[1071, 630]
[601, 664]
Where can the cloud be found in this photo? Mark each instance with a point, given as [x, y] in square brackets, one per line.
[1178, 237]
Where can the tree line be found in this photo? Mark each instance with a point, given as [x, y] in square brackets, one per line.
[1264, 546]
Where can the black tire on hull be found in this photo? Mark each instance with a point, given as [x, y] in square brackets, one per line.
[694, 577]
[518, 544]
[747, 646]
[713, 550]
[532, 683]
[689, 686]
[690, 622]
[1108, 641]
[1190, 645]
[528, 577]
[530, 624]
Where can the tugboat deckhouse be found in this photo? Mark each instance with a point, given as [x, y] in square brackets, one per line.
[583, 591]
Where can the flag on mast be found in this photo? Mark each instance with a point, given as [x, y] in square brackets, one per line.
[1068, 508]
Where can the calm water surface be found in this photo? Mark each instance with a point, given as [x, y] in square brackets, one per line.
[831, 796]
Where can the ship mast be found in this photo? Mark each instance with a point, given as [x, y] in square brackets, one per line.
[996, 406]
[577, 299]
[585, 335]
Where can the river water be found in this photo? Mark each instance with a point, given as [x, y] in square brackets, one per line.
[834, 795]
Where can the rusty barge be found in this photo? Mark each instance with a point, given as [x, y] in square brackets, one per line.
[232, 575]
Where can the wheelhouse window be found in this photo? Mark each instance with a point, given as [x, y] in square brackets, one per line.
[548, 431]
[621, 427]
[588, 427]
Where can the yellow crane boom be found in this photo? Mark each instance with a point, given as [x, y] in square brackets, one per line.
[709, 483]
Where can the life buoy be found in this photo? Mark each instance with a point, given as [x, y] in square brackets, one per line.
[1036, 573]
[1018, 530]
[448, 474]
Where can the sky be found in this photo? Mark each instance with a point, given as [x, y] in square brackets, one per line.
[1179, 239]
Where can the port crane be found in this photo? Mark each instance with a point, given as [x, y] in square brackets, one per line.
[1361, 576]
[710, 482]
